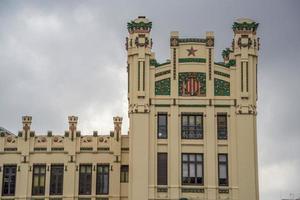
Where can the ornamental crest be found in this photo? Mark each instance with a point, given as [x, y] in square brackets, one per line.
[192, 84]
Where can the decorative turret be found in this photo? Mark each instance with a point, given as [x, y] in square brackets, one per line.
[138, 46]
[118, 127]
[245, 48]
[72, 126]
[26, 120]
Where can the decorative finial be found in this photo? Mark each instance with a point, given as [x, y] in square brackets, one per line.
[244, 26]
[26, 120]
[73, 123]
[139, 25]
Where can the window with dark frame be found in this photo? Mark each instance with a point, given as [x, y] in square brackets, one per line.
[102, 181]
[222, 126]
[124, 174]
[162, 169]
[38, 180]
[56, 179]
[223, 169]
[85, 179]
[192, 169]
[9, 180]
[192, 126]
[162, 126]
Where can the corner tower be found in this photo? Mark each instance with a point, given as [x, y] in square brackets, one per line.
[138, 46]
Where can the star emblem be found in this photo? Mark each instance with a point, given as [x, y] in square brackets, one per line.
[191, 51]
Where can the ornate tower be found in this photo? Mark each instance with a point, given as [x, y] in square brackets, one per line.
[245, 51]
[138, 46]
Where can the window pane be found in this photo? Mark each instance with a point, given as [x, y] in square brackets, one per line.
[185, 172]
[162, 119]
[199, 170]
[223, 171]
[192, 157]
[199, 158]
[198, 120]
[192, 120]
[184, 120]
[192, 170]
[222, 158]
[185, 157]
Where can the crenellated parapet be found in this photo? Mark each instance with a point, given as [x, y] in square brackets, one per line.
[60, 142]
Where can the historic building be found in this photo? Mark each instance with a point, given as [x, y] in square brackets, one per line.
[192, 132]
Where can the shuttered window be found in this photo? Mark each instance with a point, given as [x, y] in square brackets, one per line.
[162, 169]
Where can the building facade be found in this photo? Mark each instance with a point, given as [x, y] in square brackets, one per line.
[192, 131]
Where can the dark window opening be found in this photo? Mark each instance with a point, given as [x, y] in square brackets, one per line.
[192, 126]
[9, 180]
[162, 126]
[38, 179]
[223, 169]
[124, 174]
[162, 169]
[222, 126]
[102, 182]
[85, 179]
[56, 179]
[192, 169]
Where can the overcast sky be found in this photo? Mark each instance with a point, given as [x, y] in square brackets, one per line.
[60, 58]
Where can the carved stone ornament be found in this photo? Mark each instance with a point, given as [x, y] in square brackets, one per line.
[86, 139]
[41, 139]
[134, 108]
[10, 140]
[246, 109]
[244, 44]
[210, 42]
[57, 139]
[174, 42]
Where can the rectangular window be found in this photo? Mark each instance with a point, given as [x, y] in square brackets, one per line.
[162, 169]
[56, 179]
[102, 182]
[162, 126]
[85, 179]
[192, 169]
[223, 169]
[222, 126]
[192, 126]
[38, 179]
[9, 180]
[124, 174]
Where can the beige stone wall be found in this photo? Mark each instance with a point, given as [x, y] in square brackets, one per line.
[62, 149]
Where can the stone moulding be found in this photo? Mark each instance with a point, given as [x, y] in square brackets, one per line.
[154, 63]
[230, 63]
[185, 40]
[162, 73]
[222, 74]
[195, 60]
